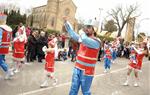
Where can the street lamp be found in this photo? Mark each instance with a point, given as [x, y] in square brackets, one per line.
[100, 24]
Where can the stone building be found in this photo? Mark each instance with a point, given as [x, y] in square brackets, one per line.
[129, 35]
[50, 16]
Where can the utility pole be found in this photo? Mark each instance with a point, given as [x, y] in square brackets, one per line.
[100, 24]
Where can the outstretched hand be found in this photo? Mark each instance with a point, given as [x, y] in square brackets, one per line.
[65, 18]
[67, 24]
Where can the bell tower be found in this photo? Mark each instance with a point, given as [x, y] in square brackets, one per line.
[130, 30]
[52, 11]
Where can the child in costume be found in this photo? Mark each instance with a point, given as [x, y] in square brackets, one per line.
[107, 58]
[132, 54]
[18, 52]
[64, 54]
[49, 66]
[141, 51]
[114, 53]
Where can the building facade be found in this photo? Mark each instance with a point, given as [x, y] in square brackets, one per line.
[129, 35]
[50, 16]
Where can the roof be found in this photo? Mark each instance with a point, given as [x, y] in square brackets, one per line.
[40, 6]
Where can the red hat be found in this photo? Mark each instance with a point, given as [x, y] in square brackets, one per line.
[52, 43]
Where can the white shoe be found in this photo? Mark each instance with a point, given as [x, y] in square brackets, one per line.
[126, 83]
[26, 63]
[105, 71]
[16, 71]
[12, 73]
[44, 84]
[112, 62]
[55, 82]
[136, 85]
[7, 76]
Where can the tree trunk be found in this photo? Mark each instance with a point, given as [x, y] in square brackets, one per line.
[119, 33]
[133, 38]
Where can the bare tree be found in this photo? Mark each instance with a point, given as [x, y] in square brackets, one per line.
[122, 15]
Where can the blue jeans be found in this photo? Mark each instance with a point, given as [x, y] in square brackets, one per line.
[114, 55]
[3, 64]
[79, 79]
[107, 63]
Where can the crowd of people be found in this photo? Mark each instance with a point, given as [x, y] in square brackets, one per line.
[85, 49]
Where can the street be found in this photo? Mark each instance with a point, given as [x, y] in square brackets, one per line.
[27, 82]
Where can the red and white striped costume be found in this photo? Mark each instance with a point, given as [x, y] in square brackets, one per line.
[139, 59]
[50, 57]
[5, 40]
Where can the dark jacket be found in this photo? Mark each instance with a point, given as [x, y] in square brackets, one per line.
[41, 42]
[31, 44]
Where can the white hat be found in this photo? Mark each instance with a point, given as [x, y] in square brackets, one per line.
[91, 22]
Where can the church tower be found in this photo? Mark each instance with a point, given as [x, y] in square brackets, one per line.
[52, 13]
[50, 16]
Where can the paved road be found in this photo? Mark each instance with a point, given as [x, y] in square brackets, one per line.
[28, 81]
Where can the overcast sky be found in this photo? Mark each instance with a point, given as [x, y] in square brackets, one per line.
[90, 8]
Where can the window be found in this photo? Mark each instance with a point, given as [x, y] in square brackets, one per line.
[67, 11]
[52, 21]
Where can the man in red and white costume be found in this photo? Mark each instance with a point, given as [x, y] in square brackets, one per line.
[86, 57]
[19, 44]
[5, 38]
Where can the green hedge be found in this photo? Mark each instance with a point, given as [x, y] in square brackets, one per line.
[49, 31]
[105, 38]
[13, 26]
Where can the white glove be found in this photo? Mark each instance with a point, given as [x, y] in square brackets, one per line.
[21, 38]
[132, 46]
[55, 40]
[81, 32]
[80, 40]
[15, 39]
[44, 49]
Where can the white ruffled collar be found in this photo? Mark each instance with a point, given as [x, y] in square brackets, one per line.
[6, 27]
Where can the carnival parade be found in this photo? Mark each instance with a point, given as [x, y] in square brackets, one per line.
[55, 50]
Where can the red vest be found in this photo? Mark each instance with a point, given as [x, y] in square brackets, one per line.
[86, 59]
[108, 54]
[6, 38]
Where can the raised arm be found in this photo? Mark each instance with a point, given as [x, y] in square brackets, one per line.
[71, 32]
[140, 51]
[82, 38]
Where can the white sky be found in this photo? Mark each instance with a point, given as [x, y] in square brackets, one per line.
[90, 8]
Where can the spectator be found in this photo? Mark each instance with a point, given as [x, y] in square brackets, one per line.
[64, 54]
[31, 45]
[63, 40]
[41, 42]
